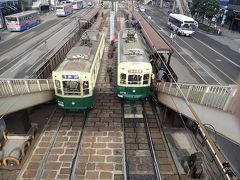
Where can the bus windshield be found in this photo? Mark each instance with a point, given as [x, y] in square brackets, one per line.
[189, 26]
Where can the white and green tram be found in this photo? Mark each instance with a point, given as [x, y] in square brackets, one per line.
[75, 78]
[134, 71]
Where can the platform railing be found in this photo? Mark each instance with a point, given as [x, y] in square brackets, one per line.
[13, 87]
[215, 96]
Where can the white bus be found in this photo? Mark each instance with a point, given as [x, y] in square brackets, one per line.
[181, 24]
[64, 9]
[77, 4]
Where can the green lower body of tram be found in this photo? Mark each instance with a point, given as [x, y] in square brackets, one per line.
[75, 104]
[133, 93]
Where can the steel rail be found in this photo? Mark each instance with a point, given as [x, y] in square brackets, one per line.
[150, 143]
[125, 166]
[76, 156]
[46, 155]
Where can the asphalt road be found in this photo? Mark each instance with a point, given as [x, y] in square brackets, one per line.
[214, 62]
[22, 52]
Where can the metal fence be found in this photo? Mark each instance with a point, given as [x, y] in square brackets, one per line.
[220, 97]
[12, 87]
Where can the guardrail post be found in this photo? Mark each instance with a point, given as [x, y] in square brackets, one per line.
[39, 86]
[189, 89]
[204, 94]
[169, 88]
[26, 84]
[229, 99]
[48, 84]
[10, 87]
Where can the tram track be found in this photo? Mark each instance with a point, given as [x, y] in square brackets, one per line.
[42, 41]
[60, 145]
[145, 152]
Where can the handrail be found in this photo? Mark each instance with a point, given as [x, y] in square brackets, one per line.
[13, 87]
[215, 96]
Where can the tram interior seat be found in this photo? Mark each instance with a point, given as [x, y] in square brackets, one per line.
[13, 147]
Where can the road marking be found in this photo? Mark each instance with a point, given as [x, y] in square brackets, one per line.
[18, 65]
[209, 62]
[218, 52]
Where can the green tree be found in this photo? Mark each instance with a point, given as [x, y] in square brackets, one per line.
[206, 8]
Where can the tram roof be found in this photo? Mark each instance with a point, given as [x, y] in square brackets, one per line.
[81, 56]
[154, 39]
[24, 13]
[133, 51]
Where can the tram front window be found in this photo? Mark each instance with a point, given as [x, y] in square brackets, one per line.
[71, 88]
[123, 78]
[145, 78]
[85, 88]
[134, 79]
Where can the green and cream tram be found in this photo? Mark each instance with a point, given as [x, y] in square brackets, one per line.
[134, 69]
[75, 78]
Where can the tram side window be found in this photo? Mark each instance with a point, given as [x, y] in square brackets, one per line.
[134, 79]
[71, 88]
[85, 88]
[123, 78]
[58, 86]
[145, 78]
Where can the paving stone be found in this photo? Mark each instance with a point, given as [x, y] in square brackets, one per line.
[99, 145]
[66, 164]
[88, 151]
[33, 165]
[29, 173]
[91, 139]
[106, 175]
[114, 159]
[70, 144]
[47, 174]
[81, 171]
[52, 157]
[117, 152]
[57, 151]
[92, 175]
[58, 145]
[165, 167]
[69, 151]
[63, 176]
[97, 159]
[118, 167]
[66, 158]
[115, 145]
[83, 159]
[40, 150]
[36, 158]
[65, 170]
[104, 166]
[104, 152]
[118, 177]
[90, 166]
[53, 165]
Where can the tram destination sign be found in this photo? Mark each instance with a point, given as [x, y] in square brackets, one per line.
[70, 76]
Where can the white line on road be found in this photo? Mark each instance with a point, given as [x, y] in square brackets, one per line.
[217, 52]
